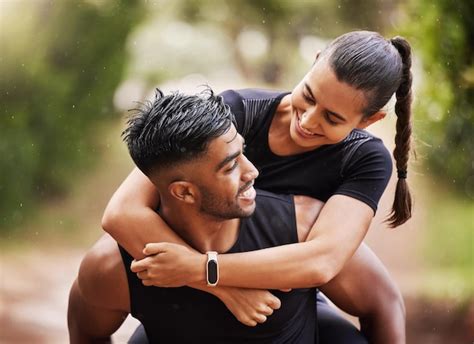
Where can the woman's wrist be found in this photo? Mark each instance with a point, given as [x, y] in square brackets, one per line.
[199, 270]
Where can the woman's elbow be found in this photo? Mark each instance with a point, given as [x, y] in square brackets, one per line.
[322, 273]
[111, 219]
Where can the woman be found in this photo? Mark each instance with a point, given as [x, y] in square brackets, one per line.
[309, 142]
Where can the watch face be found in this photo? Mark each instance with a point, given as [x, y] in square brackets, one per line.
[212, 272]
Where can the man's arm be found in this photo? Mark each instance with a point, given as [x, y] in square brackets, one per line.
[365, 289]
[98, 301]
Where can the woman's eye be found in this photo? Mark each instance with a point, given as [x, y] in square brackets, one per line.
[308, 99]
[330, 121]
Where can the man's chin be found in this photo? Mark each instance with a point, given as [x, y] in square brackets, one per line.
[248, 210]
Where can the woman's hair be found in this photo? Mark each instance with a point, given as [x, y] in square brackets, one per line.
[380, 68]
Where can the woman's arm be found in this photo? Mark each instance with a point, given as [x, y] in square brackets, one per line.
[337, 233]
[130, 216]
[333, 239]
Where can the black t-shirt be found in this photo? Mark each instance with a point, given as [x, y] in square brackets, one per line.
[186, 315]
[360, 166]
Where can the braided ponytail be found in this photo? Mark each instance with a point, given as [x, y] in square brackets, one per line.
[368, 62]
[402, 204]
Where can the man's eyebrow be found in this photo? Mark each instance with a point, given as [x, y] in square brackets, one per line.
[332, 113]
[227, 160]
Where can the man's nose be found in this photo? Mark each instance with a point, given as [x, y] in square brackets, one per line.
[251, 171]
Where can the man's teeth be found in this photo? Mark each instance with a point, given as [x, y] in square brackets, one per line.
[247, 192]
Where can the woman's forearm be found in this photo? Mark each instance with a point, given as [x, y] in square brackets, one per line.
[289, 266]
[333, 239]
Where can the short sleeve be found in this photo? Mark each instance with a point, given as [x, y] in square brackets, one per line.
[366, 173]
[235, 102]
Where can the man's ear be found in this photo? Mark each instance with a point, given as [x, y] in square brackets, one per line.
[365, 122]
[183, 191]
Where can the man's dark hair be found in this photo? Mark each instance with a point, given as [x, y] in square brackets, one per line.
[175, 128]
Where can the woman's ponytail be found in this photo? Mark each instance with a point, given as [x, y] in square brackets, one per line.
[402, 204]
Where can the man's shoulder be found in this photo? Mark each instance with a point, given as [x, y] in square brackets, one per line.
[102, 279]
[268, 197]
[302, 211]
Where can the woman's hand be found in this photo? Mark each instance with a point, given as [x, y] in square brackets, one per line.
[170, 265]
[249, 306]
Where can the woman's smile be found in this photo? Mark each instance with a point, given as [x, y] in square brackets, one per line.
[303, 132]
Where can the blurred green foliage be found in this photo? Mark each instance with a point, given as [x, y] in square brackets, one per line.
[60, 65]
[284, 23]
[442, 32]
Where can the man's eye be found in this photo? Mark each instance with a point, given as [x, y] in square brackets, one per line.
[233, 167]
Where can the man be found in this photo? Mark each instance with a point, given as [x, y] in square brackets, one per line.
[189, 148]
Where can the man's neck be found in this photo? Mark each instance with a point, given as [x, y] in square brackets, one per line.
[204, 233]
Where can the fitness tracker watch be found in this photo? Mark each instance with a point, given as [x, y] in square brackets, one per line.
[212, 269]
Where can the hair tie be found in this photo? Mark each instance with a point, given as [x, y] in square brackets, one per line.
[402, 174]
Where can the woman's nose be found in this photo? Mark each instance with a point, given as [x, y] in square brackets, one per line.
[310, 118]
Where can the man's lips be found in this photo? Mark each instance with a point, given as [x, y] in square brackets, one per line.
[245, 187]
[247, 191]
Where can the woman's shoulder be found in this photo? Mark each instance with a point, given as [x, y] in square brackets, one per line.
[362, 139]
[362, 147]
[248, 94]
[251, 106]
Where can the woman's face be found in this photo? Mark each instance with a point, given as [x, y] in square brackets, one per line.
[324, 110]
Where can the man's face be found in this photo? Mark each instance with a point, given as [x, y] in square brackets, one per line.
[227, 177]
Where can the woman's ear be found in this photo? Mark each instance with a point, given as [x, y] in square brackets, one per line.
[183, 191]
[365, 122]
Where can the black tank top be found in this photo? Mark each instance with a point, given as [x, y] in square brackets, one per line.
[186, 315]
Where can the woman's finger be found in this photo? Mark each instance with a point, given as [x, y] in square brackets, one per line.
[143, 274]
[140, 265]
[260, 318]
[267, 311]
[154, 248]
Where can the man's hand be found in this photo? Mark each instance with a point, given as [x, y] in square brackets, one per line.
[170, 265]
[249, 306]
